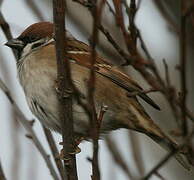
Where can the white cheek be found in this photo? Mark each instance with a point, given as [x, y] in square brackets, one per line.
[26, 50]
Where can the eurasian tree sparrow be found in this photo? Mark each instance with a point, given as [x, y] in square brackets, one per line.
[37, 72]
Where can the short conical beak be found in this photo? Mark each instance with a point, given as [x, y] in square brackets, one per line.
[15, 44]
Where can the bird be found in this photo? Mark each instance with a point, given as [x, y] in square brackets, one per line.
[37, 73]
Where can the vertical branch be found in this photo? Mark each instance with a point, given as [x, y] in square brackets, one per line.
[120, 22]
[131, 12]
[96, 12]
[64, 89]
[2, 175]
[183, 60]
[132, 27]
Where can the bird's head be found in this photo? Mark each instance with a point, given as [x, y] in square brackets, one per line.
[34, 36]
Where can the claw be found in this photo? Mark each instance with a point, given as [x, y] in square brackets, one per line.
[77, 150]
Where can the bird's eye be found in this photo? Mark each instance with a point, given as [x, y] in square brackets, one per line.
[37, 45]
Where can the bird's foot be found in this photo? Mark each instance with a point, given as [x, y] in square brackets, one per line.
[76, 150]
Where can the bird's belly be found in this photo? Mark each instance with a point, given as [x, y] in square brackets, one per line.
[43, 103]
[49, 116]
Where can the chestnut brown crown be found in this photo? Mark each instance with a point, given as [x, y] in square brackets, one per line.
[35, 35]
[37, 31]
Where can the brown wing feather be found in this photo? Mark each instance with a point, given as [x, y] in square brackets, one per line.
[104, 68]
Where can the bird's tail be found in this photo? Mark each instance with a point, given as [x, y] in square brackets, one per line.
[169, 145]
[140, 121]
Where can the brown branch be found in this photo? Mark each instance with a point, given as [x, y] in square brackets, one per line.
[171, 92]
[55, 152]
[119, 17]
[28, 126]
[131, 12]
[111, 40]
[143, 46]
[165, 88]
[95, 128]
[183, 61]
[2, 175]
[65, 89]
[106, 33]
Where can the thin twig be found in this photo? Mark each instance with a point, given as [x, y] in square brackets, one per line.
[28, 126]
[65, 89]
[143, 45]
[95, 128]
[111, 40]
[131, 12]
[55, 152]
[106, 33]
[110, 8]
[119, 17]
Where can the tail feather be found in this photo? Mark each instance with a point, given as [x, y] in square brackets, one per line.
[168, 144]
[140, 121]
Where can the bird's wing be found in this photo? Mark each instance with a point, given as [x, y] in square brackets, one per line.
[83, 56]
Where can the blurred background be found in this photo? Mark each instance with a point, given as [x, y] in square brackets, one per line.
[20, 158]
